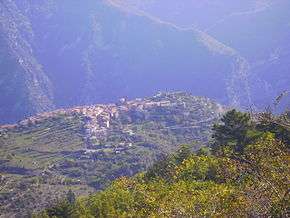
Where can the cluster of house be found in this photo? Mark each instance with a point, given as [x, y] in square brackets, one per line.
[98, 118]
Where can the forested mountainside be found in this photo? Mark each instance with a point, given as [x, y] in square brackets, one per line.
[257, 29]
[84, 148]
[244, 173]
[63, 53]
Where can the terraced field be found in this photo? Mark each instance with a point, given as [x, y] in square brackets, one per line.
[84, 149]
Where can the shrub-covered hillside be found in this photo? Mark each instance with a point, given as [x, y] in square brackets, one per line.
[244, 174]
[85, 148]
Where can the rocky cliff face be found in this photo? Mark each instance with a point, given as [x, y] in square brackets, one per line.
[64, 53]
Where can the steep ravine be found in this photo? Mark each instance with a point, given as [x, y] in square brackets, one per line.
[257, 29]
[238, 88]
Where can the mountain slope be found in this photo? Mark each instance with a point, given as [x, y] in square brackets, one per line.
[236, 80]
[86, 147]
[256, 29]
[96, 51]
[25, 88]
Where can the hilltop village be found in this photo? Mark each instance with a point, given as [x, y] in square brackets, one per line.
[102, 121]
[100, 113]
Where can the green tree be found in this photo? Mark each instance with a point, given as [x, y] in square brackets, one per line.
[182, 153]
[165, 168]
[63, 209]
[235, 131]
[278, 125]
[70, 197]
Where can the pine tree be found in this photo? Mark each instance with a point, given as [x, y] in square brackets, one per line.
[70, 197]
[235, 131]
[64, 210]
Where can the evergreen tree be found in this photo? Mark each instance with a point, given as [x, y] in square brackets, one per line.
[183, 153]
[70, 197]
[278, 125]
[63, 210]
[235, 131]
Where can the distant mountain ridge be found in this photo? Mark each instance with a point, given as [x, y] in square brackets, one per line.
[90, 52]
[256, 29]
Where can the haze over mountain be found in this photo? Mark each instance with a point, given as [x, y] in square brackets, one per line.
[62, 53]
[63, 63]
[259, 30]
[58, 54]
